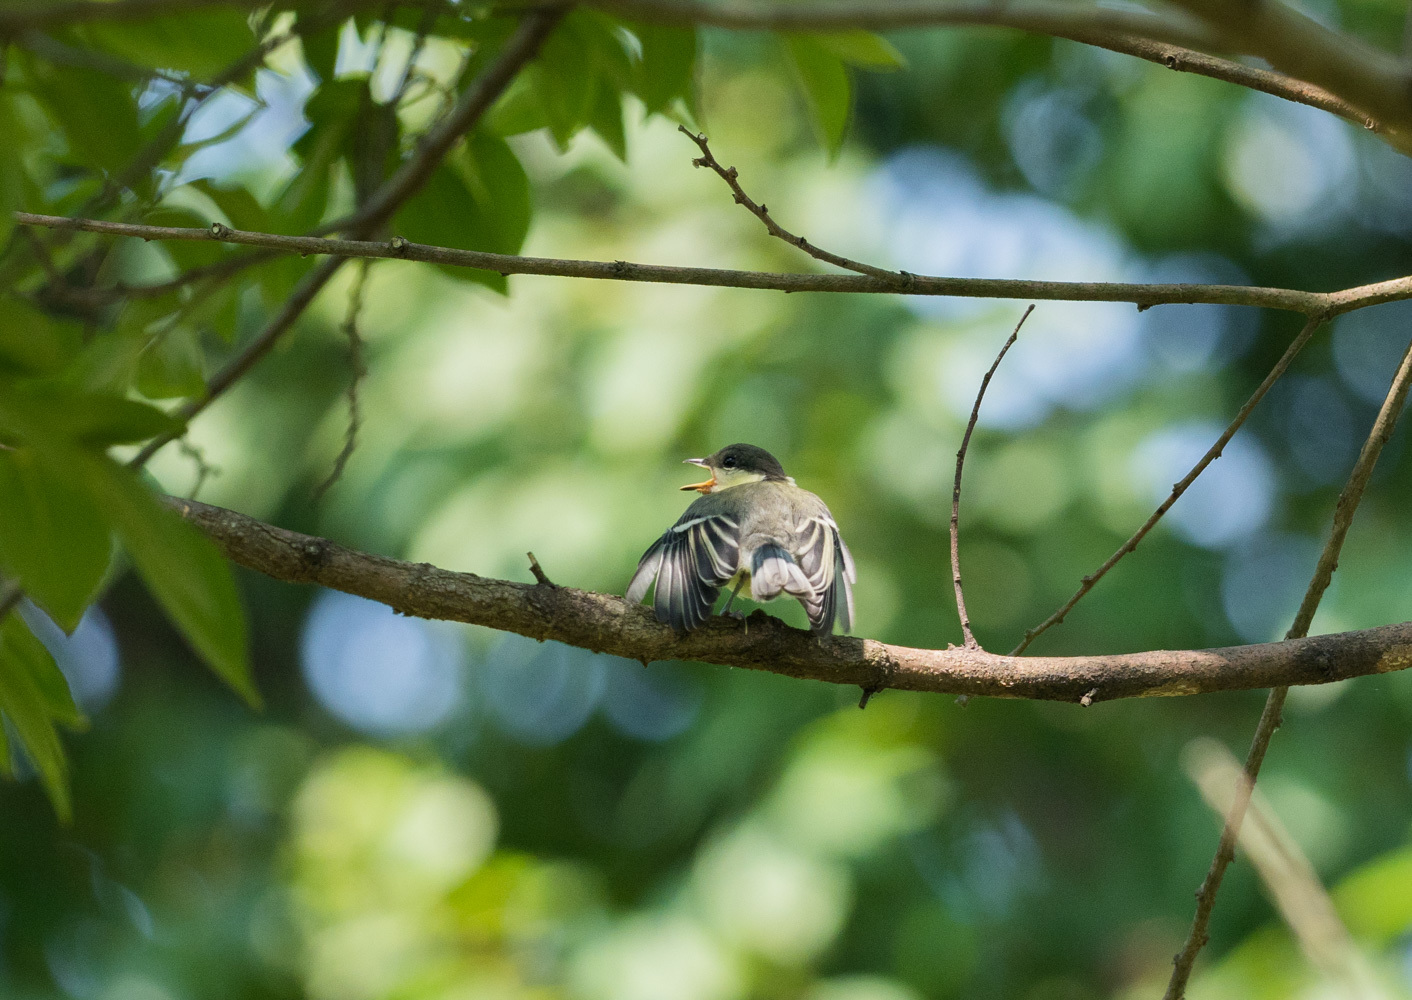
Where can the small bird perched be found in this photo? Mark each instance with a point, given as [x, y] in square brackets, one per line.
[751, 524]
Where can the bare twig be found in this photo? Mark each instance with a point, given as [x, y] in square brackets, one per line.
[304, 293]
[1288, 299]
[1347, 506]
[204, 469]
[534, 28]
[358, 371]
[1289, 878]
[10, 594]
[609, 624]
[731, 176]
[970, 639]
[1213, 453]
[538, 571]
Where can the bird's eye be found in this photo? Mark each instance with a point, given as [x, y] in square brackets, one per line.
[729, 463]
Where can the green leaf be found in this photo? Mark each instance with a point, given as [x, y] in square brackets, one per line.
[862, 48]
[183, 570]
[53, 539]
[240, 207]
[825, 82]
[667, 69]
[93, 420]
[199, 42]
[171, 366]
[333, 112]
[12, 172]
[33, 695]
[564, 84]
[607, 121]
[187, 254]
[321, 49]
[479, 199]
[95, 113]
[33, 342]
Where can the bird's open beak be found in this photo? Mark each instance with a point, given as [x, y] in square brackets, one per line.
[701, 487]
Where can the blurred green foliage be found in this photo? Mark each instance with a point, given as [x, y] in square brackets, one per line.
[428, 812]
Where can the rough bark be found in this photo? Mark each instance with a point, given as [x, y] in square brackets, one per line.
[609, 624]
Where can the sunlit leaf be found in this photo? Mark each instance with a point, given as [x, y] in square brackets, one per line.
[825, 82]
[52, 537]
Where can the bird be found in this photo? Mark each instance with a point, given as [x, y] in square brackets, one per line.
[751, 524]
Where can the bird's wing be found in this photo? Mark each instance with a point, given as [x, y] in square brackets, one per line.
[690, 562]
[828, 565]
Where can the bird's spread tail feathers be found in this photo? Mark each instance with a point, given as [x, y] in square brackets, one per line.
[772, 571]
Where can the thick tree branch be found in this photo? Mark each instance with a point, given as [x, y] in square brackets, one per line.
[1347, 506]
[1178, 43]
[1182, 44]
[604, 623]
[1292, 42]
[1288, 299]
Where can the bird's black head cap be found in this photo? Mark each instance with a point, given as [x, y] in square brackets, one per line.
[747, 458]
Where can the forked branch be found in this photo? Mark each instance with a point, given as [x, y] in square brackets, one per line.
[1178, 488]
[732, 178]
[966, 633]
[1348, 500]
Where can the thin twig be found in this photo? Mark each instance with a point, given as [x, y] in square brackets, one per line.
[204, 469]
[1347, 506]
[304, 293]
[970, 638]
[1329, 304]
[1213, 453]
[731, 176]
[10, 594]
[538, 571]
[424, 27]
[359, 372]
[534, 28]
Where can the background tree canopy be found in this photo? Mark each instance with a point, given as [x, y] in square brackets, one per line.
[352, 804]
